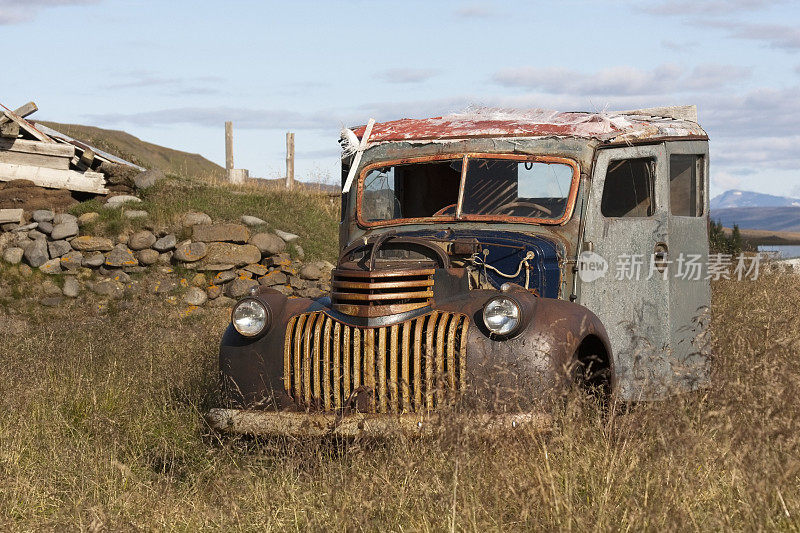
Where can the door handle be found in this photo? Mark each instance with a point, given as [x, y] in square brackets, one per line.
[661, 256]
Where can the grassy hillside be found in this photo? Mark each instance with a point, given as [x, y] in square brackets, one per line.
[142, 153]
[101, 427]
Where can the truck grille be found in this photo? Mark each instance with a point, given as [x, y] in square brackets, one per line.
[412, 366]
[381, 292]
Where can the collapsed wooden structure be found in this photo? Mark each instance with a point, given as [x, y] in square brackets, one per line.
[47, 157]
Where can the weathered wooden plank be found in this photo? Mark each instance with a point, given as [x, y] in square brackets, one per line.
[34, 160]
[36, 147]
[28, 127]
[87, 157]
[10, 215]
[9, 130]
[93, 182]
[22, 112]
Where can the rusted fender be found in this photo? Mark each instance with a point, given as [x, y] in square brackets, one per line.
[541, 357]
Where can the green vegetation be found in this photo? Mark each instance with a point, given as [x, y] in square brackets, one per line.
[142, 153]
[100, 426]
[722, 243]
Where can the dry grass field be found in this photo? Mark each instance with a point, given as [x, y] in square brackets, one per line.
[101, 429]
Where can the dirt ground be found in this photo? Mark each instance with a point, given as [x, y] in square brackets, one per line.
[23, 194]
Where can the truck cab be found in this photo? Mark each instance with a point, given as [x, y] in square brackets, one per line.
[488, 260]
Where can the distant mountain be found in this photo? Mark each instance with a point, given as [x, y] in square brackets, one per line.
[731, 199]
[785, 218]
[756, 211]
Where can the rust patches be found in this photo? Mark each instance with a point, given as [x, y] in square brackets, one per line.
[372, 295]
[531, 124]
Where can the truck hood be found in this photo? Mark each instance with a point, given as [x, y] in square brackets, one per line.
[507, 249]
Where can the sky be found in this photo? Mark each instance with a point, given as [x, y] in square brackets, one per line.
[173, 72]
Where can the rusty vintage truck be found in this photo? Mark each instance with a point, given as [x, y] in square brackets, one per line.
[480, 271]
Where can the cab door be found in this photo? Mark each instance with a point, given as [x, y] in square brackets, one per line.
[689, 289]
[627, 225]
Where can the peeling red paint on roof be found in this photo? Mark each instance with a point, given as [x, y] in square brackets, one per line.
[533, 123]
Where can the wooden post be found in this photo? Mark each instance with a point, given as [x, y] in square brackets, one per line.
[290, 160]
[229, 148]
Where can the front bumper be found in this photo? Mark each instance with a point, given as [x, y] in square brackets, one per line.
[282, 423]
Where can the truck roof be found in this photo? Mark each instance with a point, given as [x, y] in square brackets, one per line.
[611, 127]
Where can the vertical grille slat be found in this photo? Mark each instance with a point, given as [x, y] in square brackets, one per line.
[356, 354]
[380, 366]
[337, 365]
[418, 328]
[415, 365]
[429, 353]
[306, 362]
[348, 377]
[405, 379]
[326, 365]
[316, 390]
[392, 383]
[451, 354]
[369, 361]
[287, 357]
[441, 330]
[298, 336]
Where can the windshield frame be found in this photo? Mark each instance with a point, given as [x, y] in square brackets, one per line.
[459, 216]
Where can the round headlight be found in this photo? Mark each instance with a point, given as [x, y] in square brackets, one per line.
[250, 317]
[501, 315]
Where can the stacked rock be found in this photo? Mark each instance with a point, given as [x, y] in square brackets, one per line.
[229, 260]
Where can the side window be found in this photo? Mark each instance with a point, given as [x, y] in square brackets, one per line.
[686, 185]
[629, 190]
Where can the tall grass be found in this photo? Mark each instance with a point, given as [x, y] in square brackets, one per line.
[100, 426]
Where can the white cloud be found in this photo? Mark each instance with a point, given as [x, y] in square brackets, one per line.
[407, 75]
[214, 117]
[621, 81]
[775, 35]
[475, 10]
[679, 46]
[707, 7]
[725, 180]
[18, 11]
[184, 86]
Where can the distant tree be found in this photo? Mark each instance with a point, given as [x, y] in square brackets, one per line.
[719, 243]
[735, 241]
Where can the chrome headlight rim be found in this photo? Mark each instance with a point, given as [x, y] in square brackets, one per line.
[266, 320]
[518, 319]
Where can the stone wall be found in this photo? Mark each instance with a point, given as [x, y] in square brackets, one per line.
[205, 263]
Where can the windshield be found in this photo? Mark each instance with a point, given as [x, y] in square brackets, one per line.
[531, 189]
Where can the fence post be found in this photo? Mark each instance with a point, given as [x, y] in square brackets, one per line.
[229, 149]
[290, 161]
